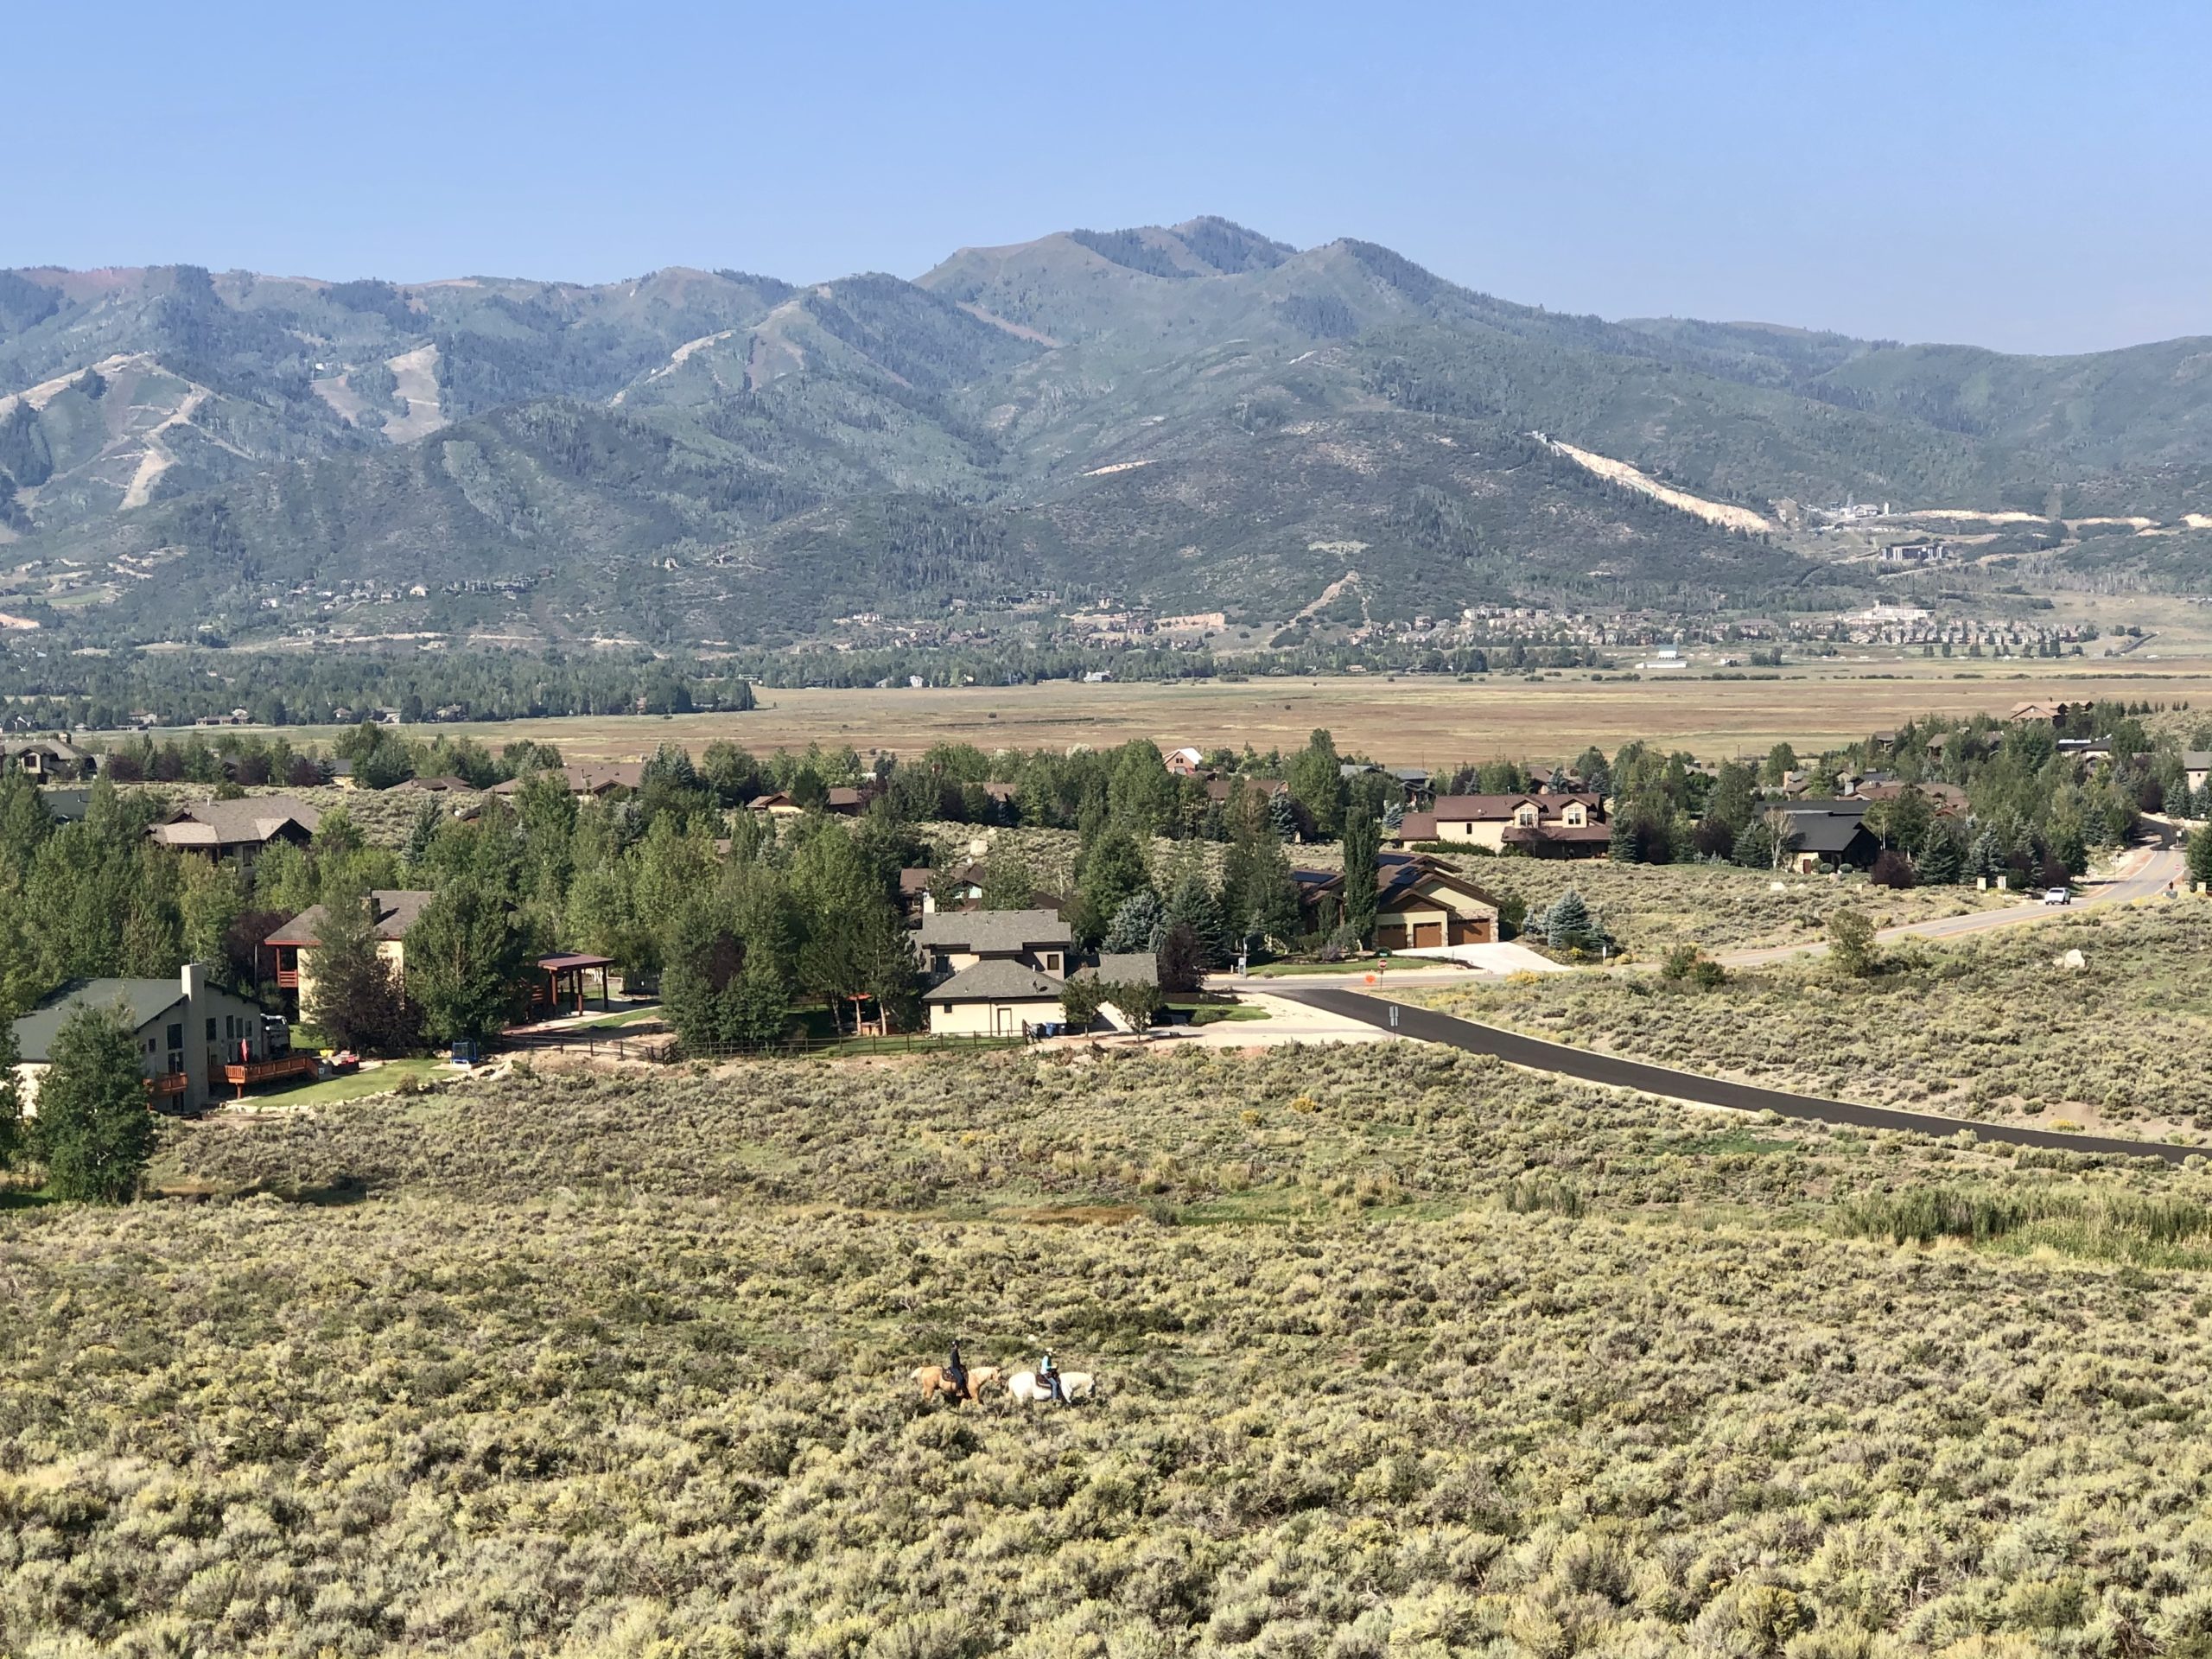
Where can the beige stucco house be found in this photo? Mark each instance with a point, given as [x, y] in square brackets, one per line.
[391, 913]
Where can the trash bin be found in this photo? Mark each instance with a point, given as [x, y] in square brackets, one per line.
[467, 1052]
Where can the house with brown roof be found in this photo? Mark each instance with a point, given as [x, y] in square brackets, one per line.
[1548, 826]
[239, 831]
[392, 912]
[1420, 903]
[598, 779]
[48, 759]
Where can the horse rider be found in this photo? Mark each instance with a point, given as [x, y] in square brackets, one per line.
[1048, 1373]
[955, 1374]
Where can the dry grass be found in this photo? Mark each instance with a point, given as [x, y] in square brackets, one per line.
[1414, 722]
[1992, 1028]
[616, 1367]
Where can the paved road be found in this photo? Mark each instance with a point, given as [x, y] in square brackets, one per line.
[1428, 1026]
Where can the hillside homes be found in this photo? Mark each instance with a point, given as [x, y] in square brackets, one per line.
[392, 912]
[1563, 825]
[238, 831]
[190, 1035]
[995, 971]
[1420, 903]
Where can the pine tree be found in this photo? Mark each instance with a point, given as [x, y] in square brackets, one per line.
[1193, 904]
[1137, 925]
[94, 1128]
[1566, 926]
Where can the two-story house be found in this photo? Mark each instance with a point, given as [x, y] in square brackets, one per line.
[1547, 826]
[994, 971]
[193, 1040]
[391, 913]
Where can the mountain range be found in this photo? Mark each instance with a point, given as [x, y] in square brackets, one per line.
[1189, 419]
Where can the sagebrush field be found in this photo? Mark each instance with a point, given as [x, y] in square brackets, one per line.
[1402, 1353]
[2001, 1027]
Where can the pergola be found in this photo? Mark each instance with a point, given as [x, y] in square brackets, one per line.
[564, 979]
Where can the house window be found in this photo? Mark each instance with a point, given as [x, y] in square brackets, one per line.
[945, 1006]
[176, 1035]
[1052, 962]
[1525, 816]
[211, 1028]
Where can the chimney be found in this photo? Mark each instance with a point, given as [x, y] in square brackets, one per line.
[194, 980]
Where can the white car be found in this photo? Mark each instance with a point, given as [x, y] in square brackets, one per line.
[2058, 895]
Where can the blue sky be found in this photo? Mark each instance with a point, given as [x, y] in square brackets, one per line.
[2036, 178]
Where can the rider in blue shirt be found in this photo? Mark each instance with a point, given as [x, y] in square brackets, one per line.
[1048, 1373]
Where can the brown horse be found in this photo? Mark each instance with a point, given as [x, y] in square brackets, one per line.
[931, 1381]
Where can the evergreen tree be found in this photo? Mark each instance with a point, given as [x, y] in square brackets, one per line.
[1137, 925]
[1193, 904]
[1008, 883]
[2199, 857]
[357, 1001]
[1567, 925]
[1754, 848]
[1362, 842]
[1282, 817]
[468, 963]
[1182, 958]
[1943, 859]
[95, 1131]
[1114, 871]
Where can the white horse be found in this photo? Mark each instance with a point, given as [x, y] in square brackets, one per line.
[1026, 1387]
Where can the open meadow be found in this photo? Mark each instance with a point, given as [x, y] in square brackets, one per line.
[1998, 1028]
[1428, 721]
[1400, 1352]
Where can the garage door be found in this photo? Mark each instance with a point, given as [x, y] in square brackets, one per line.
[1428, 933]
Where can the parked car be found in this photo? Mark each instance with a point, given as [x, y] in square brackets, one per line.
[2058, 895]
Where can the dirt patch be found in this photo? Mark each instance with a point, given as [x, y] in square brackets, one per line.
[1619, 472]
[417, 374]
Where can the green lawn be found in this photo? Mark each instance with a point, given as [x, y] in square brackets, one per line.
[1209, 1013]
[1283, 970]
[369, 1080]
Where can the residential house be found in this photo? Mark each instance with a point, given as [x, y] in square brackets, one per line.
[187, 1033]
[2048, 713]
[1550, 826]
[239, 831]
[952, 940]
[1829, 835]
[439, 785]
[925, 892]
[1421, 904]
[845, 802]
[997, 997]
[598, 779]
[48, 759]
[2197, 764]
[392, 912]
[1121, 968]
[995, 971]
[776, 804]
[1219, 790]
[1948, 799]
[1186, 762]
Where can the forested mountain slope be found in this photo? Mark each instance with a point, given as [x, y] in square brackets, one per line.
[1193, 417]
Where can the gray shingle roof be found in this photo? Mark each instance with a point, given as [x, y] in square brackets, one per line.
[996, 981]
[145, 1000]
[1124, 968]
[250, 822]
[995, 932]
